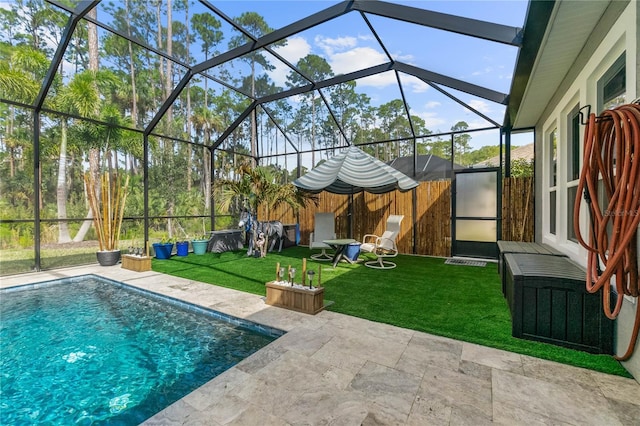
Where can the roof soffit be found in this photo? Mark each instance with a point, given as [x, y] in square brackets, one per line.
[570, 26]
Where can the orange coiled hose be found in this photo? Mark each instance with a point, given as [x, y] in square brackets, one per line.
[612, 154]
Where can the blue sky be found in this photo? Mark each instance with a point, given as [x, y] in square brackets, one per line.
[347, 44]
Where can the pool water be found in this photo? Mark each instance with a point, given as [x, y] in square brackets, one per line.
[93, 351]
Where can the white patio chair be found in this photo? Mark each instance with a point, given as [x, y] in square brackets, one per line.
[324, 228]
[384, 246]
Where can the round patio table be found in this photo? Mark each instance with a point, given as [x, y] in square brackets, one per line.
[340, 246]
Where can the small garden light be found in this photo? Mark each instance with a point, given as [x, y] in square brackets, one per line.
[292, 275]
[310, 274]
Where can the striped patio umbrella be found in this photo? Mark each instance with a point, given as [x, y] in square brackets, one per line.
[353, 171]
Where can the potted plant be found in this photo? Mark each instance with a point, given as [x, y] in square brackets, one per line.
[107, 202]
[182, 248]
[163, 249]
[200, 244]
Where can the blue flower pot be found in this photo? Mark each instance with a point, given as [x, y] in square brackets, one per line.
[163, 250]
[182, 248]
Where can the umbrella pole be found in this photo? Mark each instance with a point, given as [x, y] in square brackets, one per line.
[350, 214]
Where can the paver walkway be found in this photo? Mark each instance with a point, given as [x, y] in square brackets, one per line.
[336, 369]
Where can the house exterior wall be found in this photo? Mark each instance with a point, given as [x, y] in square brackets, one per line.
[615, 34]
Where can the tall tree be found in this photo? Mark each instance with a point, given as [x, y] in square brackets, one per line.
[316, 68]
[394, 124]
[132, 68]
[205, 123]
[207, 29]
[348, 106]
[461, 144]
[21, 75]
[81, 97]
[168, 81]
[257, 26]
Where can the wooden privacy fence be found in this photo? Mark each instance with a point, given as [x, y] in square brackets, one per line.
[517, 209]
[429, 209]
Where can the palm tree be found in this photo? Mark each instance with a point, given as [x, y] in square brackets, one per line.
[80, 96]
[83, 96]
[21, 75]
[22, 69]
[258, 187]
[206, 122]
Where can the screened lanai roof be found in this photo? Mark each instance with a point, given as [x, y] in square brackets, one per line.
[437, 63]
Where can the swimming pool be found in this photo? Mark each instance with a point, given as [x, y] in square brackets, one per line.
[90, 350]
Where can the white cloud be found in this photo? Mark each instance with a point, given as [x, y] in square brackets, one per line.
[295, 49]
[432, 104]
[378, 81]
[355, 59]
[406, 58]
[296, 99]
[431, 120]
[480, 105]
[418, 86]
[413, 84]
[486, 70]
[477, 123]
[331, 45]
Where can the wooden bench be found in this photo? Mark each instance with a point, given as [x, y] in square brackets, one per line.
[549, 302]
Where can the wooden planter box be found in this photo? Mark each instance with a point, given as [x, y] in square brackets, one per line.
[136, 263]
[296, 299]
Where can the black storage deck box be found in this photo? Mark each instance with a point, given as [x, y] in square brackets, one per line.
[290, 235]
[505, 247]
[549, 302]
[225, 240]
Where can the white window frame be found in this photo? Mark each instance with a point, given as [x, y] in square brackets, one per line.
[572, 115]
[551, 136]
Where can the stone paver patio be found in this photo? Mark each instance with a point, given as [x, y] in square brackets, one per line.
[336, 369]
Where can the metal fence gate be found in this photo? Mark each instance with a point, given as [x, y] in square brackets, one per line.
[476, 205]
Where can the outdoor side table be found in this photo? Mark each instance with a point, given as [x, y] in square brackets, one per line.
[340, 245]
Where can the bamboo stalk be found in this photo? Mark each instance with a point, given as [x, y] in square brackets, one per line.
[108, 210]
[304, 271]
[125, 192]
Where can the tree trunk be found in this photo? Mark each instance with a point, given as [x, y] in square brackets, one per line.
[189, 118]
[94, 153]
[94, 64]
[132, 71]
[86, 225]
[159, 41]
[169, 75]
[206, 176]
[61, 188]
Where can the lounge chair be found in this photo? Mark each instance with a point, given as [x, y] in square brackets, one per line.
[323, 229]
[384, 246]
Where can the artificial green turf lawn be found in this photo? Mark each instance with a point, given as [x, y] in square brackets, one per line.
[422, 293]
